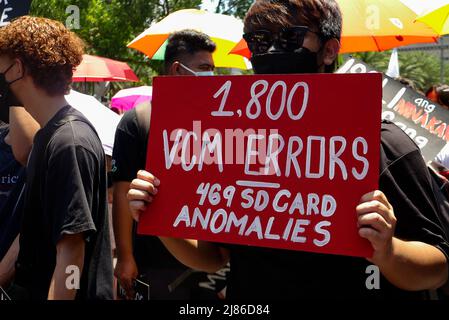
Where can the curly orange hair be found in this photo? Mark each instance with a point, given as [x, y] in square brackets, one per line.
[48, 50]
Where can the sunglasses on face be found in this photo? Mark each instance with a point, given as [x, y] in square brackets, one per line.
[288, 39]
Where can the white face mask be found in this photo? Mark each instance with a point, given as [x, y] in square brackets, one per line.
[197, 73]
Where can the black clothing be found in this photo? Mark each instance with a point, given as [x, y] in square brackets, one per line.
[12, 179]
[128, 157]
[262, 273]
[65, 194]
[154, 262]
[10, 169]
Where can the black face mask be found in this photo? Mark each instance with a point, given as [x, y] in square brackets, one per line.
[280, 62]
[7, 97]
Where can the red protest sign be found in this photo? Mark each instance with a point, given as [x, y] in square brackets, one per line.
[274, 161]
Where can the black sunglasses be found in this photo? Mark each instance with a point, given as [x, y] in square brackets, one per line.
[289, 39]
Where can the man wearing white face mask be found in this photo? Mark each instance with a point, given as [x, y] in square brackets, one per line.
[197, 73]
[188, 53]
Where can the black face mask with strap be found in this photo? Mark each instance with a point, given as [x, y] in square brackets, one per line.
[280, 62]
[7, 97]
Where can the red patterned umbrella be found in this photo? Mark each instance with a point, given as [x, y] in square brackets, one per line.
[99, 69]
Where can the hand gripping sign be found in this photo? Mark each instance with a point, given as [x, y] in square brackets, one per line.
[276, 161]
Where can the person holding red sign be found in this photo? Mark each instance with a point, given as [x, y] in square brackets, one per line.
[399, 220]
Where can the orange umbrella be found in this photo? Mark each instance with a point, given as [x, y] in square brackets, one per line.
[373, 25]
[99, 69]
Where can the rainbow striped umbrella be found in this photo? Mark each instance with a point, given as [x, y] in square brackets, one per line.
[224, 30]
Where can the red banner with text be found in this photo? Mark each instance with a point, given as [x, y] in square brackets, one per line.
[276, 161]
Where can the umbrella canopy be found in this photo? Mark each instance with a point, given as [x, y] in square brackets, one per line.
[127, 99]
[99, 69]
[374, 25]
[103, 119]
[436, 15]
[377, 25]
[224, 30]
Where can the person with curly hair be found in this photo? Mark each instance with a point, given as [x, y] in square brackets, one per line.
[64, 241]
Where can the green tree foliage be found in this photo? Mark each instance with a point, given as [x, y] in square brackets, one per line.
[236, 8]
[107, 26]
[422, 67]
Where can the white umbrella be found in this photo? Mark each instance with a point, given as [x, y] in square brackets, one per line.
[103, 119]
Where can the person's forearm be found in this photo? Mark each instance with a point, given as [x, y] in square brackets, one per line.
[69, 268]
[122, 221]
[195, 254]
[414, 266]
[7, 265]
[59, 290]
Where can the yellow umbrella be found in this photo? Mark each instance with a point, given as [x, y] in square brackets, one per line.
[224, 30]
[436, 15]
[377, 25]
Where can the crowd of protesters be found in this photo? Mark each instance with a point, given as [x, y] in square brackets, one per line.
[54, 188]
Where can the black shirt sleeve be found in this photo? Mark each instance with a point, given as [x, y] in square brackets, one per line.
[406, 182]
[128, 155]
[70, 184]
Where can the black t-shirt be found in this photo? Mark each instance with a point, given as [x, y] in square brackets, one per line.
[11, 215]
[154, 261]
[261, 273]
[128, 157]
[12, 176]
[65, 194]
[10, 169]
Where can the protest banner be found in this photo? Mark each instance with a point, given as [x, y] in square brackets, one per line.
[421, 119]
[3, 295]
[276, 161]
[11, 9]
